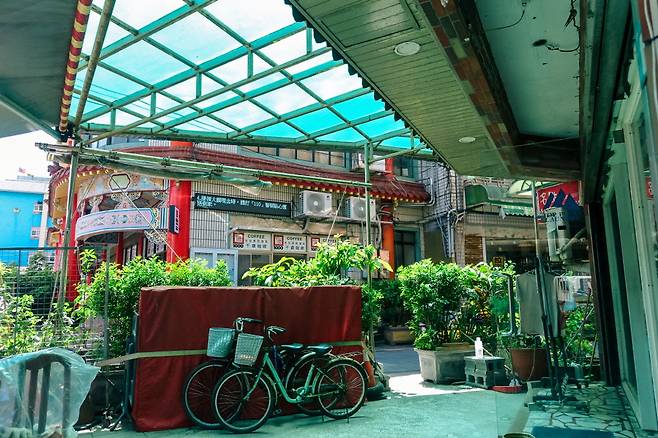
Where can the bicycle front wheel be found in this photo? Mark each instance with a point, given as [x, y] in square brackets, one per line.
[242, 401]
[341, 388]
[197, 393]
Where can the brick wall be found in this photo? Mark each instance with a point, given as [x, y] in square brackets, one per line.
[473, 251]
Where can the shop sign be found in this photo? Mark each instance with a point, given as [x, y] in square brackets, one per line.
[130, 219]
[289, 243]
[316, 241]
[498, 261]
[560, 195]
[242, 205]
[251, 240]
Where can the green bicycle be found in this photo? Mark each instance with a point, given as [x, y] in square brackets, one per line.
[244, 398]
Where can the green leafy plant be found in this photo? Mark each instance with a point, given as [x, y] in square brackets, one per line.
[124, 285]
[433, 294]
[393, 312]
[330, 266]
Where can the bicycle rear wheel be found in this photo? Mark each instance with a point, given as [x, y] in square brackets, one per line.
[341, 386]
[242, 401]
[197, 393]
[296, 379]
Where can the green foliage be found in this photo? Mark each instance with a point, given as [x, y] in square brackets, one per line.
[393, 312]
[329, 267]
[433, 295]
[580, 334]
[449, 303]
[124, 285]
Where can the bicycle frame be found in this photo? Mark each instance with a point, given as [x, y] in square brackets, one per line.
[313, 374]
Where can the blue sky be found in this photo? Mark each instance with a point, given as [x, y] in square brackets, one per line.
[19, 151]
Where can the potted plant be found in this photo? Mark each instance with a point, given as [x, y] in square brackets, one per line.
[394, 315]
[434, 294]
[528, 356]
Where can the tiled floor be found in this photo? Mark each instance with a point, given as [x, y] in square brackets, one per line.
[600, 408]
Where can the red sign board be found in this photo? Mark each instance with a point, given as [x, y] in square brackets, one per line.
[557, 195]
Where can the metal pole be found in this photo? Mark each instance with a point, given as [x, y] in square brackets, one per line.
[106, 317]
[66, 242]
[368, 240]
[546, 325]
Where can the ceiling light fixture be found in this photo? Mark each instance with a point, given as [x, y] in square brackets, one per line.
[467, 139]
[407, 48]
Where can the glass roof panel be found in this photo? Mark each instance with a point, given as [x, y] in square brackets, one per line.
[249, 21]
[243, 114]
[228, 67]
[196, 37]
[381, 126]
[360, 106]
[140, 13]
[333, 82]
[279, 130]
[400, 142]
[286, 99]
[145, 62]
[317, 120]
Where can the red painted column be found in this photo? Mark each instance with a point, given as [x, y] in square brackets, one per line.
[388, 233]
[178, 245]
[140, 245]
[388, 165]
[118, 256]
[72, 272]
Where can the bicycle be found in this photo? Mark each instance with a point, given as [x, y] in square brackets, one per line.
[244, 398]
[197, 389]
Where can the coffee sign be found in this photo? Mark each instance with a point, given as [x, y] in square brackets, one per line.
[251, 240]
[289, 243]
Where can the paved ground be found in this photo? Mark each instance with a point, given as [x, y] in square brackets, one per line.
[412, 409]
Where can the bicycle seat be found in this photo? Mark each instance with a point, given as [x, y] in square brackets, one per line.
[319, 349]
[294, 348]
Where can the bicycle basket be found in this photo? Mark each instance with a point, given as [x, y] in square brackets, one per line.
[219, 341]
[247, 349]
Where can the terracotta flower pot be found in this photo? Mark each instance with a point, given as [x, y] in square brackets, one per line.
[529, 363]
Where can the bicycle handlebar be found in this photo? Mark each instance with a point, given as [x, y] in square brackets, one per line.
[239, 322]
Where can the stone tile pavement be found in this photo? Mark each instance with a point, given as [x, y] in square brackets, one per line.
[598, 407]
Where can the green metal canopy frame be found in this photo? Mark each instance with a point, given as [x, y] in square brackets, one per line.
[225, 71]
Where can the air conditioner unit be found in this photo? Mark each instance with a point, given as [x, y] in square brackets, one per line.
[314, 203]
[356, 208]
[358, 163]
[558, 233]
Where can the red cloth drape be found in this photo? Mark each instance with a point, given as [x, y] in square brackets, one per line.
[179, 318]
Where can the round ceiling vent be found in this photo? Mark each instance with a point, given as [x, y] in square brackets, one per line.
[407, 48]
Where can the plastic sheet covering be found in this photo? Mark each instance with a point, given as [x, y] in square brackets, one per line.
[41, 393]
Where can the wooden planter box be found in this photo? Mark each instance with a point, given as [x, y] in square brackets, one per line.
[397, 335]
[445, 364]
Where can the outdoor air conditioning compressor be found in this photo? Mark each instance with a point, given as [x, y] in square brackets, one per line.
[356, 208]
[314, 203]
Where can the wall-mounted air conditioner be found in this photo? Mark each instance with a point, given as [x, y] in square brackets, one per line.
[358, 163]
[314, 203]
[356, 208]
[558, 233]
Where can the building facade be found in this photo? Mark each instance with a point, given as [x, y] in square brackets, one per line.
[24, 220]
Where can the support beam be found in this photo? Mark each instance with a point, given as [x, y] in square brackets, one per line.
[66, 241]
[395, 154]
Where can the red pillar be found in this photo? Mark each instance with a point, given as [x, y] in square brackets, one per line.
[388, 165]
[140, 245]
[118, 257]
[72, 270]
[388, 233]
[178, 245]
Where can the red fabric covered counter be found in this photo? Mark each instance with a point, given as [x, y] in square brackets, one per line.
[178, 318]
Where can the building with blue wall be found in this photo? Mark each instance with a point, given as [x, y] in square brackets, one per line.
[24, 218]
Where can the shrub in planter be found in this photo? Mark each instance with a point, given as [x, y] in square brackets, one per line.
[434, 295]
[394, 316]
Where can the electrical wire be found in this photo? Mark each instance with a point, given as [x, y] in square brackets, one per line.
[510, 25]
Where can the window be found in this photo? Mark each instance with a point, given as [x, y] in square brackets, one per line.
[404, 166]
[405, 248]
[211, 256]
[35, 232]
[38, 207]
[246, 261]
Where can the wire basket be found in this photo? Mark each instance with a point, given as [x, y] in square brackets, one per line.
[247, 349]
[220, 341]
